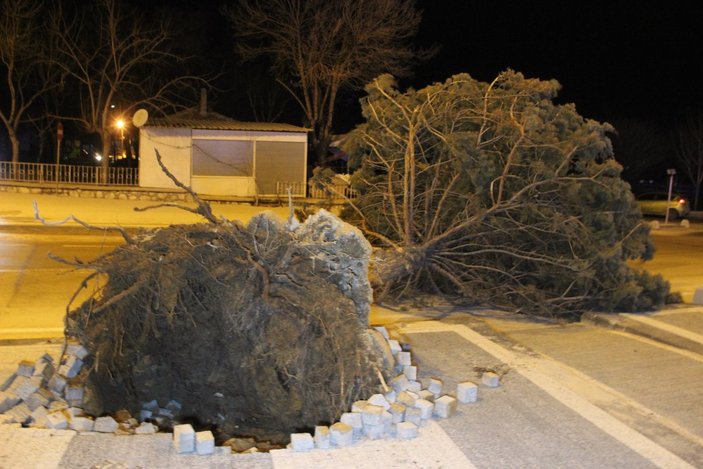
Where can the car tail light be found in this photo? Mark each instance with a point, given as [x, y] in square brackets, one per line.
[681, 201]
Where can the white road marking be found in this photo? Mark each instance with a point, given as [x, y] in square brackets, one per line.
[551, 378]
[686, 353]
[666, 327]
[432, 448]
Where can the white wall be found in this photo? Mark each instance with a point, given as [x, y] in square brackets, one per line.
[225, 185]
[174, 146]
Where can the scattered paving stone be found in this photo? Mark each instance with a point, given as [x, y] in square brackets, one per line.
[8, 382]
[394, 346]
[372, 415]
[322, 437]
[435, 386]
[204, 442]
[379, 400]
[406, 430]
[19, 413]
[144, 414]
[414, 386]
[71, 366]
[153, 406]
[353, 419]
[374, 432]
[426, 394]
[403, 358]
[358, 406]
[444, 406]
[174, 406]
[56, 420]
[390, 396]
[184, 438]
[397, 411]
[302, 442]
[426, 408]
[414, 415]
[342, 435]
[400, 383]
[38, 416]
[106, 424]
[490, 379]
[383, 331]
[146, 428]
[77, 350]
[467, 392]
[25, 368]
[26, 386]
[122, 415]
[7, 401]
[57, 383]
[411, 372]
[407, 398]
[81, 424]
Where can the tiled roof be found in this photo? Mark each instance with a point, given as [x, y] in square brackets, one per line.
[213, 121]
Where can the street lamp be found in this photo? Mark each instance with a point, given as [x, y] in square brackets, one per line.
[120, 124]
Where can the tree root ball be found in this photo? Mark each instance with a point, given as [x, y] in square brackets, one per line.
[257, 330]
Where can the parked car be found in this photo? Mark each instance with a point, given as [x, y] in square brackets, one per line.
[655, 203]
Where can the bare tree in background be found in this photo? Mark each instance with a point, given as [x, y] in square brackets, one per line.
[23, 63]
[689, 141]
[318, 48]
[116, 58]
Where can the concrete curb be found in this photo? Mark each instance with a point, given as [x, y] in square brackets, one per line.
[617, 322]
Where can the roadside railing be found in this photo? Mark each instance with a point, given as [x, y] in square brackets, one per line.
[298, 189]
[71, 174]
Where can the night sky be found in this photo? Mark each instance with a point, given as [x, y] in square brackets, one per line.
[614, 59]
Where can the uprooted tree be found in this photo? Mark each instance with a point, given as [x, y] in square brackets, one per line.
[492, 192]
[256, 330]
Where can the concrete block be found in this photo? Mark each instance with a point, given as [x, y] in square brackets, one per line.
[57, 383]
[353, 419]
[38, 417]
[174, 406]
[374, 432]
[144, 415]
[146, 428]
[301, 442]
[372, 415]
[413, 415]
[698, 296]
[387, 422]
[7, 401]
[20, 413]
[490, 379]
[435, 386]
[106, 425]
[406, 430]
[397, 411]
[358, 406]
[426, 408]
[444, 406]
[407, 398]
[380, 400]
[400, 383]
[57, 420]
[153, 406]
[81, 424]
[184, 438]
[75, 412]
[41, 398]
[71, 366]
[403, 358]
[25, 368]
[410, 372]
[26, 386]
[8, 382]
[204, 442]
[390, 396]
[383, 331]
[322, 437]
[341, 434]
[414, 386]
[77, 350]
[44, 369]
[426, 394]
[164, 412]
[74, 395]
[57, 404]
[467, 392]
[394, 346]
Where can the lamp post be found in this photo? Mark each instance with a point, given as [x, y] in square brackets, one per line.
[671, 172]
[120, 124]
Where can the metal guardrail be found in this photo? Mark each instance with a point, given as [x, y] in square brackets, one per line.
[42, 172]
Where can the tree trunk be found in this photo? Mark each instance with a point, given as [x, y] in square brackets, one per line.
[105, 162]
[15, 144]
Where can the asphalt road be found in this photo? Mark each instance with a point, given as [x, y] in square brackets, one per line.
[35, 289]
